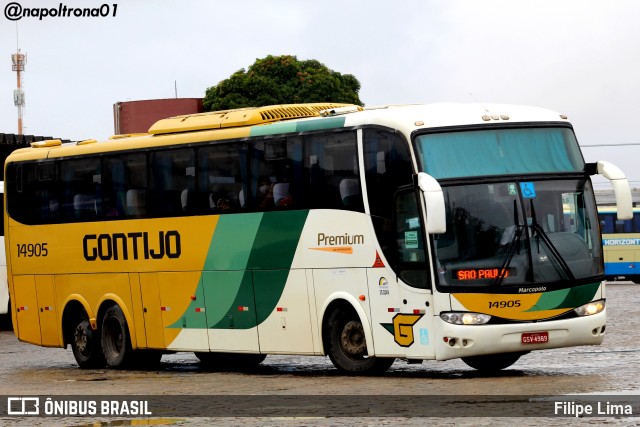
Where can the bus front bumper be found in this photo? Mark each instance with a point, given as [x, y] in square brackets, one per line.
[474, 340]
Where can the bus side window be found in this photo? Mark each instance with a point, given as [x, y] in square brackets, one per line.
[636, 222]
[622, 226]
[351, 194]
[276, 174]
[332, 172]
[136, 203]
[410, 255]
[606, 223]
[81, 188]
[388, 166]
[173, 186]
[222, 177]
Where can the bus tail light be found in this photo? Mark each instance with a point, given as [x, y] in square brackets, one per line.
[466, 318]
[591, 308]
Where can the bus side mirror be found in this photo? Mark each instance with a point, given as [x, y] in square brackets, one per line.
[434, 201]
[621, 188]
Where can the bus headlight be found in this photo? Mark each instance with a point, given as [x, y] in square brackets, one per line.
[465, 318]
[591, 308]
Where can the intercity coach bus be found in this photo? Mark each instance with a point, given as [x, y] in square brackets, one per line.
[401, 232]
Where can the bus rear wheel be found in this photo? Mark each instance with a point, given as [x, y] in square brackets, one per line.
[492, 362]
[85, 345]
[116, 343]
[347, 347]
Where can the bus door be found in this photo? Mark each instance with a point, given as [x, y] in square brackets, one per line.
[284, 316]
[151, 314]
[403, 289]
[231, 311]
[414, 276]
[174, 311]
[36, 310]
[26, 306]
[385, 305]
[47, 311]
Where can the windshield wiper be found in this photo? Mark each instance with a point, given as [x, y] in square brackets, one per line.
[539, 232]
[514, 244]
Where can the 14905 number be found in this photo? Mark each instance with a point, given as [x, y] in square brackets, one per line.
[504, 304]
[30, 250]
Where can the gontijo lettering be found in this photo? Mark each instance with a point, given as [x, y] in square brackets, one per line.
[121, 246]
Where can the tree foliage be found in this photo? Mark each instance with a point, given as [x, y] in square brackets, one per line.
[282, 80]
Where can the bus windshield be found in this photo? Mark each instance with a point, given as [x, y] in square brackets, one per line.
[503, 151]
[519, 233]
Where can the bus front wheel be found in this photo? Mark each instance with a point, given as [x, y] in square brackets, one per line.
[116, 343]
[492, 362]
[85, 345]
[347, 347]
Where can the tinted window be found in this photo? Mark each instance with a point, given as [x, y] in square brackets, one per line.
[173, 179]
[79, 194]
[332, 167]
[388, 167]
[485, 152]
[299, 172]
[222, 178]
[125, 183]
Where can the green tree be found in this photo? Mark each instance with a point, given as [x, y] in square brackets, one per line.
[282, 80]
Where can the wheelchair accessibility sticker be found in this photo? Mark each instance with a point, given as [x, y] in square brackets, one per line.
[528, 190]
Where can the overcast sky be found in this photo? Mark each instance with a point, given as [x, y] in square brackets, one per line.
[578, 57]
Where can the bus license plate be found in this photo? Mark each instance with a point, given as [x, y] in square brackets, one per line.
[535, 337]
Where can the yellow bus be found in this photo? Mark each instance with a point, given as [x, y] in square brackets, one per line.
[402, 232]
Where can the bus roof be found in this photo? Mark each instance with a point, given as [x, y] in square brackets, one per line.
[243, 117]
[281, 119]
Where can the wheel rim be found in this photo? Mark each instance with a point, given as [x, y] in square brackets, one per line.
[352, 340]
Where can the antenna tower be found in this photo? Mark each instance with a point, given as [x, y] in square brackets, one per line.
[18, 61]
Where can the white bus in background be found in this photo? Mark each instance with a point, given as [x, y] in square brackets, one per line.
[5, 315]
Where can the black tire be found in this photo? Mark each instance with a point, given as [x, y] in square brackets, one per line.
[85, 344]
[116, 342]
[223, 361]
[347, 347]
[6, 322]
[492, 362]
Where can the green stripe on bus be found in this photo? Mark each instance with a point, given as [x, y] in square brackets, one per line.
[277, 240]
[305, 126]
[333, 122]
[566, 298]
[257, 292]
[249, 260]
[229, 299]
[272, 129]
[580, 295]
[232, 241]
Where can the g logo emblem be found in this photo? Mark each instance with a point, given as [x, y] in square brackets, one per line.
[403, 328]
